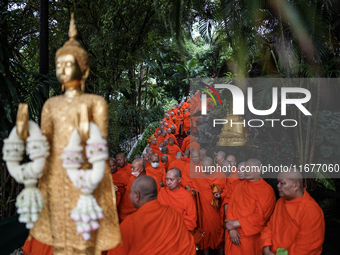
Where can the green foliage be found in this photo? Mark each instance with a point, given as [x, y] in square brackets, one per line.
[138, 149]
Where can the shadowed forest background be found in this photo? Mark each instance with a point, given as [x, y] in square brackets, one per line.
[143, 54]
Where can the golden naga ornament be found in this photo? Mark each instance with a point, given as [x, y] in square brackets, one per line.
[233, 135]
[79, 215]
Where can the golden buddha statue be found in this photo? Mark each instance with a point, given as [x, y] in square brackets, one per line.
[235, 135]
[60, 116]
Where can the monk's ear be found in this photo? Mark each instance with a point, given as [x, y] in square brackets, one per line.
[179, 179]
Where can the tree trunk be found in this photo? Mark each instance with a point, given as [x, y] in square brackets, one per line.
[43, 39]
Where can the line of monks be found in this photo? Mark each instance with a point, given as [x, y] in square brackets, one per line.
[236, 213]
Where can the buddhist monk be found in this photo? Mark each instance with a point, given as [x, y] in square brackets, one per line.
[233, 173]
[136, 157]
[156, 170]
[146, 159]
[187, 140]
[162, 137]
[186, 156]
[297, 224]
[173, 148]
[158, 133]
[211, 216]
[155, 147]
[203, 153]
[125, 207]
[164, 162]
[120, 179]
[178, 198]
[170, 135]
[249, 209]
[154, 228]
[122, 164]
[232, 185]
[165, 142]
[165, 151]
[194, 144]
[178, 162]
[149, 151]
[189, 170]
[186, 122]
[220, 156]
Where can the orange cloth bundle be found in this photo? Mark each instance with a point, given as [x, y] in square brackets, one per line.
[215, 189]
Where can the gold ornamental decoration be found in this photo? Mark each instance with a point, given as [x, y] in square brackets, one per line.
[235, 134]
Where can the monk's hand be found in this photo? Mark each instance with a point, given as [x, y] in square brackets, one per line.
[116, 188]
[229, 225]
[187, 188]
[161, 183]
[235, 237]
[267, 251]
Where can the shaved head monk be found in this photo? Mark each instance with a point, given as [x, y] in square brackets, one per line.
[178, 198]
[189, 168]
[120, 179]
[123, 165]
[149, 151]
[155, 146]
[146, 159]
[211, 216]
[125, 207]
[156, 170]
[173, 148]
[154, 228]
[203, 153]
[220, 156]
[297, 224]
[232, 160]
[165, 142]
[165, 162]
[186, 156]
[249, 209]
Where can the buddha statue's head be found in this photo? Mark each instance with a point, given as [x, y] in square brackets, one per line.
[72, 61]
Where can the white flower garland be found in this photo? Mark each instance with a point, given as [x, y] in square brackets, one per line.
[30, 201]
[87, 212]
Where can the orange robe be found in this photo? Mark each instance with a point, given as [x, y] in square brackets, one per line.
[155, 149]
[169, 121]
[155, 134]
[34, 247]
[182, 201]
[121, 180]
[186, 121]
[155, 229]
[161, 138]
[147, 164]
[173, 149]
[230, 190]
[211, 217]
[195, 145]
[173, 137]
[158, 172]
[297, 225]
[186, 159]
[188, 173]
[177, 163]
[252, 204]
[170, 159]
[187, 141]
[125, 207]
[126, 169]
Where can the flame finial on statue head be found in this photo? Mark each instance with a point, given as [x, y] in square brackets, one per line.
[72, 32]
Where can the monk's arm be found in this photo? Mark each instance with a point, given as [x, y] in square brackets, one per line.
[311, 235]
[190, 218]
[266, 237]
[256, 221]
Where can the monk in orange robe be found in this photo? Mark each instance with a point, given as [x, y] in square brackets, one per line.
[155, 170]
[189, 169]
[155, 147]
[211, 217]
[178, 198]
[154, 228]
[173, 148]
[203, 153]
[249, 209]
[170, 135]
[298, 223]
[164, 162]
[172, 109]
[178, 162]
[165, 151]
[158, 133]
[220, 156]
[186, 156]
[125, 207]
[194, 144]
[33, 247]
[179, 121]
[146, 159]
[187, 140]
[168, 120]
[161, 138]
[186, 120]
[122, 163]
[120, 179]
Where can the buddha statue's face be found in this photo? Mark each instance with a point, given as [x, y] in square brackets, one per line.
[67, 69]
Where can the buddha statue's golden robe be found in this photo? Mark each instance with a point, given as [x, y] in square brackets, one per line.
[55, 226]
